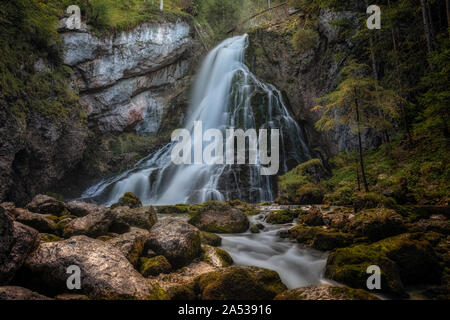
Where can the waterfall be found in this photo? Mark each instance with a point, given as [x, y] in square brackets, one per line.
[225, 95]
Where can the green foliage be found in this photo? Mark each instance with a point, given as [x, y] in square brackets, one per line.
[304, 40]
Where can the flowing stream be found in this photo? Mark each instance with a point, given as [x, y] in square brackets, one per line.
[225, 95]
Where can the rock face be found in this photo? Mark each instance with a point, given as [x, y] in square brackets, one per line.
[127, 77]
[325, 292]
[219, 217]
[105, 272]
[16, 243]
[19, 293]
[178, 241]
[305, 77]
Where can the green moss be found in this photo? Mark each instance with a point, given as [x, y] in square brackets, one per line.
[320, 238]
[177, 209]
[128, 199]
[254, 229]
[211, 239]
[154, 266]
[156, 292]
[46, 237]
[281, 216]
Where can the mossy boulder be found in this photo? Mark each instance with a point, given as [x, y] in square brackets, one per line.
[377, 224]
[154, 266]
[217, 257]
[282, 216]
[219, 217]
[320, 238]
[404, 259]
[325, 292]
[176, 209]
[309, 194]
[129, 199]
[239, 283]
[254, 229]
[211, 239]
[312, 218]
[131, 244]
[125, 217]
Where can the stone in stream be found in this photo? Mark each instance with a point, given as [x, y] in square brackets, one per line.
[105, 272]
[219, 217]
[177, 240]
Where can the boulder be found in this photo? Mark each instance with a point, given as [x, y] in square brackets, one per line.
[177, 240]
[325, 292]
[81, 209]
[211, 239]
[218, 217]
[376, 224]
[105, 272]
[19, 293]
[281, 217]
[17, 241]
[126, 217]
[239, 283]
[93, 225]
[216, 257]
[46, 204]
[313, 218]
[131, 244]
[37, 221]
[154, 266]
[405, 259]
[129, 199]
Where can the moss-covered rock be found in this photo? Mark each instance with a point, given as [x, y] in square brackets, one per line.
[320, 238]
[325, 292]
[129, 199]
[403, 259]
[217, 257]
[46, 237]
[239, 283]
[218, 217]
[254, 229]
[309, 194]
[211, 239]
[281, 217]
[312, 218]
[370, 200]
[176, 209]
[376, 224]
[154, 266]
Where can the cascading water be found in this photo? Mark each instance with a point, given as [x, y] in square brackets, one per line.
[226, 95]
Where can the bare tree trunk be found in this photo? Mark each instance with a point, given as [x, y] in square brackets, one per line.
[426, 25]
[361, 160]
[447, 7]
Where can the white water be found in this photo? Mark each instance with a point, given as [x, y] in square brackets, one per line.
[296, 265]
[226, 95]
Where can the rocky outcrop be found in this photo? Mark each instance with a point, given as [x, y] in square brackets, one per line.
[178, 241]
[219, 217]
[106, 273]
[305, 77]
[129, 77]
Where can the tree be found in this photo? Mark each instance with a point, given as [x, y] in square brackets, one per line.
[355, 104]
[427, 24]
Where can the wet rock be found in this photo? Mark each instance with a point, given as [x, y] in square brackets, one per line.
[46, 204]
[17, 241]
[129, 199]
[19, 293]
[239, 283]
[254, 229]
[126, 217]
[218, 217]
[178, 241]
[93, 225]
[211, 239]
[154, 266]
[377, 224]
[131, 244]
[105, 272]
[35, 220]
[81, 209]
[325, 292]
